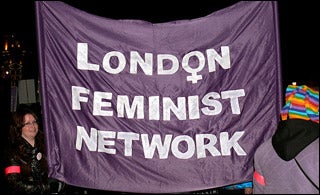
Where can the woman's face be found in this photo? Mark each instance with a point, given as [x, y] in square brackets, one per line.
[30, 127]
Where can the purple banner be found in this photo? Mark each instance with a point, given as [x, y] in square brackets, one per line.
[155, 108]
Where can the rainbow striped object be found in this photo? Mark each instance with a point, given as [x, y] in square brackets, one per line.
[302, 102]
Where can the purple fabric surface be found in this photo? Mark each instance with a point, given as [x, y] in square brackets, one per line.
[154, 108]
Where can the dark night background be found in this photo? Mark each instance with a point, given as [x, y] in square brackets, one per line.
[298, 24]
[298, 21]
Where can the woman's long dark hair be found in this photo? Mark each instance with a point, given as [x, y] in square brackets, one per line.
[17, 124]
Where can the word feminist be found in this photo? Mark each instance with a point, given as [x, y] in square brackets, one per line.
[102, 104]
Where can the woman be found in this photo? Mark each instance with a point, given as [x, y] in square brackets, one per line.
[26, 168]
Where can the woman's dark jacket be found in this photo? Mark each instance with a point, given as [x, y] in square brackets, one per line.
[26, 168]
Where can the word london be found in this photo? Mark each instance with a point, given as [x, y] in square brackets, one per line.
[146, 64]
